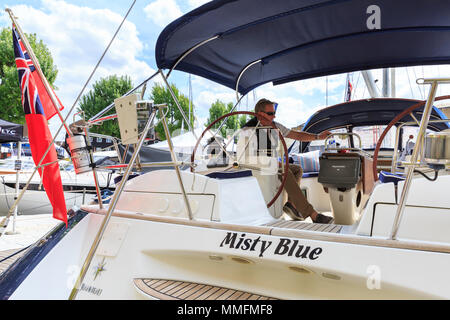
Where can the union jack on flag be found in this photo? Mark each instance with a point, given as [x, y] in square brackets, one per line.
[29, 75]
[30, 97]
[24, 51]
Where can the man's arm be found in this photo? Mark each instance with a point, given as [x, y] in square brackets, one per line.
[307, 137]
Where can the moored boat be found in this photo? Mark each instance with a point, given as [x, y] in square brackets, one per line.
[186, 234]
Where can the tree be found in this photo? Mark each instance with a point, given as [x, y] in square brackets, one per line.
[161, 95]
[242, 120]
[232, 123]
[104, 92]
[10, 94]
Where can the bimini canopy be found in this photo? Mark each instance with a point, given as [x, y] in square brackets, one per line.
[299, 39]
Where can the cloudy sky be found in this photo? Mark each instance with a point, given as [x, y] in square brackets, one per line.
[78, 31]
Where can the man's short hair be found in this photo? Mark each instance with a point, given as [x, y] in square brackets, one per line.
[261, 105]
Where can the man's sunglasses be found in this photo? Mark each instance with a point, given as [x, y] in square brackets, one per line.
[270, 113]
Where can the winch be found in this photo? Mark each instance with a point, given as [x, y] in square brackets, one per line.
[437, 149]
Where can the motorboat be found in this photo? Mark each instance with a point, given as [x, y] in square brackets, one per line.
[204, 234]
[78, 189]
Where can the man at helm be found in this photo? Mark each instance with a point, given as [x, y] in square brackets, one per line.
[297, 207]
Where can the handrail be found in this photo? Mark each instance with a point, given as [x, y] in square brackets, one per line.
[344, 134]
[410, 169]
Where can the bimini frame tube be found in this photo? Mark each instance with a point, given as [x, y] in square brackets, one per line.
[417, 149]
[189, 52]
[240, 76]
[177, 103]
[101, 113]
[198, 45]
[175, 161]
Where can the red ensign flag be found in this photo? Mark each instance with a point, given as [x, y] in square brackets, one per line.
[38, 132]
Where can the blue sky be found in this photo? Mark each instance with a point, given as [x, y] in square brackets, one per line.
[77, 32]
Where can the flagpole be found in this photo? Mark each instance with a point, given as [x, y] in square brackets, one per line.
[35, 61]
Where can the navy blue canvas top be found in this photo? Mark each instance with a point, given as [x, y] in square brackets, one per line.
[299, 39]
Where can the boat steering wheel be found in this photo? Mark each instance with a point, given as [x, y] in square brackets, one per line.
[391, 124]
[235, 161]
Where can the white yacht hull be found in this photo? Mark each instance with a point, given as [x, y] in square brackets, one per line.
[150, 246]
[139, 248]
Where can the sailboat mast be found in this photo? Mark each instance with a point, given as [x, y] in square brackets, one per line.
[393, 93]
[370, 84]
[386, 83]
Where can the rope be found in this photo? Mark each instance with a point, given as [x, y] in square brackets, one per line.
[6, 196]
[15, 253]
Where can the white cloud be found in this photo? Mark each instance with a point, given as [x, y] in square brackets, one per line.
[197, 3]
[162, 12]
[77, 37]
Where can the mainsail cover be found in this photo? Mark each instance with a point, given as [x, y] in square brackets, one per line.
[300, 39]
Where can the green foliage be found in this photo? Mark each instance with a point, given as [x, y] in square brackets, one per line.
[160, 95]
[232, 123]
[104, 92]
[243, 120]
[10, 95]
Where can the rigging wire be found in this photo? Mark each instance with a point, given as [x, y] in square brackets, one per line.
[409, 81]
[439, 75]
[101, 58]
[423, 77]
[364, 92]
[356, 85]
[420, 91]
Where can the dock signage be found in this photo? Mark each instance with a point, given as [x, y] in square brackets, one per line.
[282, 247]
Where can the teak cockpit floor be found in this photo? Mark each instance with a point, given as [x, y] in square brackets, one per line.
[181, 290]
[299, 225]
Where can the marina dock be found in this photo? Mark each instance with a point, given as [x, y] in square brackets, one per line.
[28, 230]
